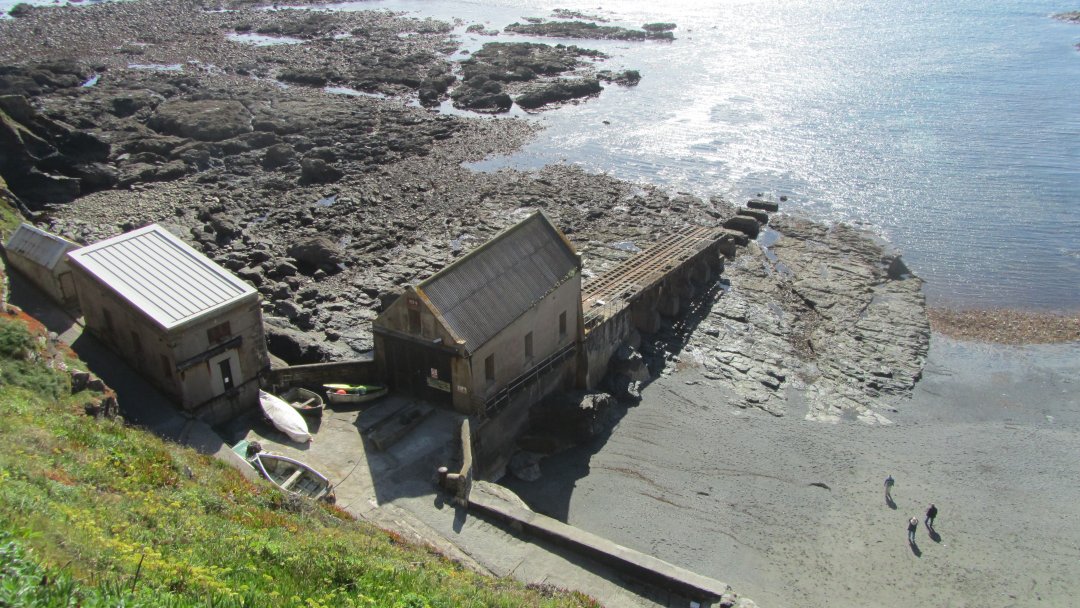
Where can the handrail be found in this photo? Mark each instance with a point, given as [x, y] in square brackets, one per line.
[500, 399]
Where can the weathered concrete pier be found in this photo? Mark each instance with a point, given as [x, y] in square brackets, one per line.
[660, 281]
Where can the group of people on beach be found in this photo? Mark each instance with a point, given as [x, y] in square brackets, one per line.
[913, 523]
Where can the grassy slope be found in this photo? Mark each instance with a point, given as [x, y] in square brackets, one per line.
[94, 513]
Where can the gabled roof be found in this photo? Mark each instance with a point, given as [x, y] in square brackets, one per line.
[487, 289]
[162, 276]
[38, 246]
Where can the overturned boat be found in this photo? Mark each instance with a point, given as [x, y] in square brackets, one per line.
[284, 417]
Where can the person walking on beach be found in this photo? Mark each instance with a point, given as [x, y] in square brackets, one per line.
[889, 481]
[931, 513]
[912, 525]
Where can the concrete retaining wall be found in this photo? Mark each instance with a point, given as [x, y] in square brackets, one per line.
[495, 437]
[602, 342]
[634, 564]
[460, 484]
[354, 371]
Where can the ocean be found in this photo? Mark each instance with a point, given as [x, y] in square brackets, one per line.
[951, 129]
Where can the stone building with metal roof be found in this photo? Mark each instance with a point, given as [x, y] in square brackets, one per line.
[42, 257]
[492, 333]
[185, 323]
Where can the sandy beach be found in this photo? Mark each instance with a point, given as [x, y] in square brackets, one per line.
[791, 512]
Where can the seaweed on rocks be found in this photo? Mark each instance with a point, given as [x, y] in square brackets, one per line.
[589, 30]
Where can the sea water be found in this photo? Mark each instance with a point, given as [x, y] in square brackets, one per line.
[952, 129]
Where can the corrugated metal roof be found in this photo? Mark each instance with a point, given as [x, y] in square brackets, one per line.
[44, 248]
[485, 291]
[162, 276]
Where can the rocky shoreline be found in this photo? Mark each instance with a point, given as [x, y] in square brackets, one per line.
[329, 203]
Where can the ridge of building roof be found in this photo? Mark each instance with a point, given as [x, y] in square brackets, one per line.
[494, 284]
[162, 276]
[40, 246]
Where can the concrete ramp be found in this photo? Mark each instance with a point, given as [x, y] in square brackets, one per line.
[634, 564]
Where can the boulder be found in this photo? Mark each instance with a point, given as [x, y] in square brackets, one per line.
[204, 119]
[764, 205]
[627, 78]
[482, 96]
[314, 253]
[292, 346]
[630, 362]
[747, 225]
[278, 156]
[387, 298]
[318, 171]
[132, 102]
[757, 214]
[558, 91]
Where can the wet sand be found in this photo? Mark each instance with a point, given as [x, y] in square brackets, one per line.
[791, 512]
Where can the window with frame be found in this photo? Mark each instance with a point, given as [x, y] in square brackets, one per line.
[219, 333]
[562, 324]
[414, 321]
[489, 368]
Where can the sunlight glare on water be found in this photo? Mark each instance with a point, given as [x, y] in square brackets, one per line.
[950, 128]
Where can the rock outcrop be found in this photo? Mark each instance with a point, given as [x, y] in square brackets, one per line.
[47, 161]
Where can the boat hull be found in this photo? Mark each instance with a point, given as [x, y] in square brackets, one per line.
[284, 417]
[307, 402]
[350, 393]
[293, 476]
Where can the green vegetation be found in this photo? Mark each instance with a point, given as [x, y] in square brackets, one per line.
[95, 513]
[10, 218]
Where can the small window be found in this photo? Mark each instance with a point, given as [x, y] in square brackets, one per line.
[528, 345]
[166, 367]
[489, 368]
[219, 333]
[108, 320]
[562, 324]
[414, 321]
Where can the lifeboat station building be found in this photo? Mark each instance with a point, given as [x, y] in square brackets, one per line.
[492, 333]
[186, 324]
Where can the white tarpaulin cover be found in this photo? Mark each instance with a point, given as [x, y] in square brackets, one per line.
[284, 417]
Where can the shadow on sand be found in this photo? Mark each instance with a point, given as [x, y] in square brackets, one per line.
[550, 495]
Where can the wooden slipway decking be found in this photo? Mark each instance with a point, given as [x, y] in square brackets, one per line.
[613, 291]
